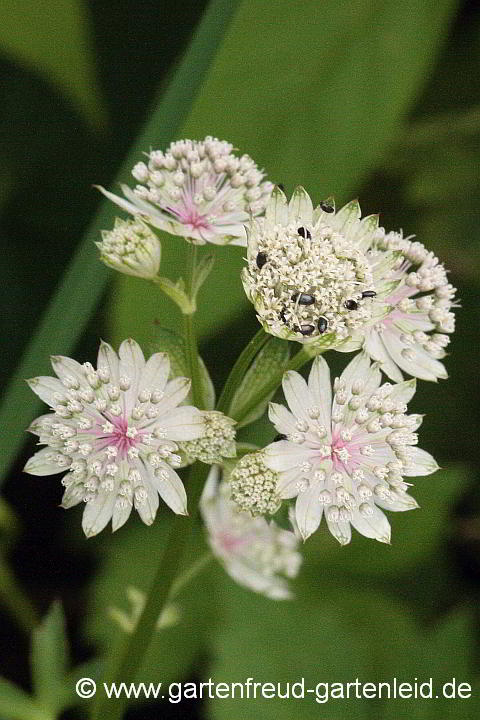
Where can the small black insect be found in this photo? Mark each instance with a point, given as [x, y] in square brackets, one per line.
[279, 437]
[261, 260]
[303, 298]
[303, 232]
[282, 317]
[368, 293]
[322, 325]
[326, 207]
[306, 329]
[351, 304]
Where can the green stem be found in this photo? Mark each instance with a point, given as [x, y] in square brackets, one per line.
[190, 336]
[239, 369]
[15, 600]
[297, 361]
[194, 569]
[127, 660]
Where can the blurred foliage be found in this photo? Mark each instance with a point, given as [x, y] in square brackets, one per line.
[53, 681]
[377, 99]
[55, 41]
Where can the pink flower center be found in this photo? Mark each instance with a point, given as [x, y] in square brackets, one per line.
[190, 216]
[346, 455]
[117, 433]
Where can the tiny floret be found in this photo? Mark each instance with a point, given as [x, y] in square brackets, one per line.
[199, 190]
[256, 553]
[355, 447]
[100, 430]
[217, 441]
[254, 486]
[131, 248]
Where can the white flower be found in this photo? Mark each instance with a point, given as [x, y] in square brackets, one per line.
[412, 336]
[115, 429]
[217, 442]
[199, 190]
[254, 486]
[332, 279]
[131, 248]
[347, 457]
[255, 553]
[307, 274]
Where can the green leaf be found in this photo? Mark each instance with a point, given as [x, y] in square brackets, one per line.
[345, 635]
[85, 280]
[15, 704]
[273, 356]
[56, 41]
[50, 660]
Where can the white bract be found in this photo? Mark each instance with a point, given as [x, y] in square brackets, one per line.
[346, 457]
[131, 248]
[115, 430]
[199, 190]
[412, 336]
[254, 552]
[332, 279]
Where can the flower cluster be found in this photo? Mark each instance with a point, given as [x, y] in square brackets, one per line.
[346, 456]
[131, 248]
[254, 485]
[217, 442]
[318, 276]
[116, 431]
[199, 190]
[255, 553]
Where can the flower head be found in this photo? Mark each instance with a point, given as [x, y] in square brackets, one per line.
[254, 485]
[131, 248]
[255, 553]
[413, 335]
[115, 430]
[217, 441]
[346, 458]
[307, 274]
[199, 190]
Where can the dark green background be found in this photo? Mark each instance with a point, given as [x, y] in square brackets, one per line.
[371, 99]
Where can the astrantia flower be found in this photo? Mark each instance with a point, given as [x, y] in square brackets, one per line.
[199, 190]
[254, 485]
[307, 274]
[131, 248]
[217, 441]
[255, 553]
[331, 278]
[412, 336]
[115, 429]
[347, 458]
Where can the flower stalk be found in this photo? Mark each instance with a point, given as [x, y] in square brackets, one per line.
[126, 661]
